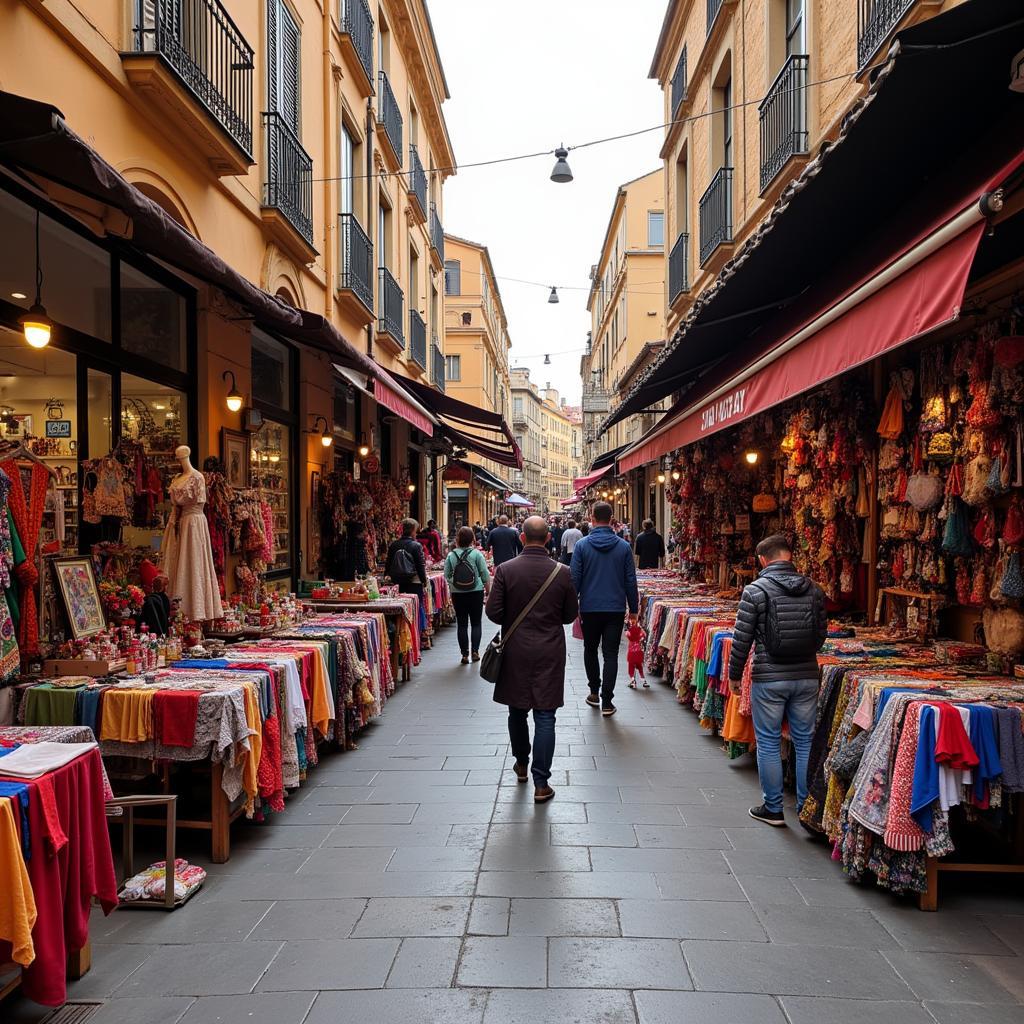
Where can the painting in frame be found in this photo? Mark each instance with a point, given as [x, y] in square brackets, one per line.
[234, 453]
[82, 605]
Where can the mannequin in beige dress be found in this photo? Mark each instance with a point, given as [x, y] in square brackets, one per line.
[187, 553]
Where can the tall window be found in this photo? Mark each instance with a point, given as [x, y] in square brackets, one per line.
[348, 149]
[727, 124]
[453, 367]
[655, 229]
[682, 196]
[452, 277]
[284, 45]
[383, 236]
[795, 31]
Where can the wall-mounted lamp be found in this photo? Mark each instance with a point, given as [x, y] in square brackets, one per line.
[410, 487]
[675, 474]
[751, 456]
[661, 478]
[326, 438]
[234, 397]
[364, 448]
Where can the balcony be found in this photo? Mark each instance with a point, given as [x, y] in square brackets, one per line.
[357, 40]
[196, 68]
[417, 186]
[875, 20]
[678, 276]
[417, 339]
[355, 282]
[436, 239]
[437, 364]
[783, 116]
[389, 120]
[679, 84]
[716, 214]
[288, 187]
[390, 302]
[714, 6]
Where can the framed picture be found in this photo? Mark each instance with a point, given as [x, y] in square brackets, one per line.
[77, 584]
[313, 547]
[234, 453]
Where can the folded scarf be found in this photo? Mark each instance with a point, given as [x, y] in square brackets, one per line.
[174, 714]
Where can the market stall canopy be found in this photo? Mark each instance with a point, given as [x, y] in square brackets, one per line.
[457, 469]
[834, 227]
[387, 392]
[608, 458]
[483, 432]
[37, 145]
[519, 501]
[581, 483]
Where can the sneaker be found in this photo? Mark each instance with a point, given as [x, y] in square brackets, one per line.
[607, 710]
[593, 700]
[632, 685]
[542, 794]
[774, 818]
[521, 770]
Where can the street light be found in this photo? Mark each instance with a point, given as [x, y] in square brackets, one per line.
[561, 172]
[553, 297]
[234, 397]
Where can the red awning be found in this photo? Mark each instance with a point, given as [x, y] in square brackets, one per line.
[389, 393]
[583, 482]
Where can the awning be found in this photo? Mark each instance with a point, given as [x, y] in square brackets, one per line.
[385, 391]
[574, 499]
[37, 144]
[608, 458]
[457, 469]
[490, 480]
[581, 483]
[478, 430]
[836, 221]
[519, 501]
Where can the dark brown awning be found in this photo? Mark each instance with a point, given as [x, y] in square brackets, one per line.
[35, 141]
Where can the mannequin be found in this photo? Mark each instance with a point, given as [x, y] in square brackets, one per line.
[187, 552]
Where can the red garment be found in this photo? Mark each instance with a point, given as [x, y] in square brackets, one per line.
[67, 869]
[953, 747]
[28, 519]
[635, 651]
[174, 717]
[270, 771]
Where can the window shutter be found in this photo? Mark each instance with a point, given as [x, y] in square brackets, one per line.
[272, 54]
[290, 88]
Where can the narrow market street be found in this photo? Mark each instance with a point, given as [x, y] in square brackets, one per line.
[413, 880]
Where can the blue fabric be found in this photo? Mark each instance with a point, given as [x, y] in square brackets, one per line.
[714, 668]
[797, 700]
[603, 572]
[983, 739]
[266, 682]
[87, 709]
[925, 790]
[888, 692]
[4, 751]
[19, 791]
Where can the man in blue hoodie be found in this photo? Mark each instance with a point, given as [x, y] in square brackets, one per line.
[604, 576]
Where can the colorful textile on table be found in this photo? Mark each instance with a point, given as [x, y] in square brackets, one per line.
[174, 717]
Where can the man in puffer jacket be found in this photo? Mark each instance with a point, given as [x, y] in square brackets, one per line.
[782, 614]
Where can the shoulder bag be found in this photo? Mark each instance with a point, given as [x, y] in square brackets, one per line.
[490, 663]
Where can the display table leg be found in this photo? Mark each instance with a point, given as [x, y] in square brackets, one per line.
[220, 818]
[80, 962]
[929, 899]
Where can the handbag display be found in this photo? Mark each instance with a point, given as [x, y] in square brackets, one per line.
[490, 662]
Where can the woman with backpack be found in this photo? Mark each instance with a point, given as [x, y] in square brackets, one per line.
[466, 571]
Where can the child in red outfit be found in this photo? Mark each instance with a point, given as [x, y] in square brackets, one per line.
[635, 654]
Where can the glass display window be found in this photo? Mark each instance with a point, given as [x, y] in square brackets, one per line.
[152, 320]
[271, 475]
[156, 416]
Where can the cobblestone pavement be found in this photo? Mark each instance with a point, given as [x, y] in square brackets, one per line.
[412, 880]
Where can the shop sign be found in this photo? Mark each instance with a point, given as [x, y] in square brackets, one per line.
[723, 410]
[743, 524]
[58, 428]
[371, 464]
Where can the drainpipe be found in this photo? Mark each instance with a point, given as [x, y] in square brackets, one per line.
[371, 219]
[329, 253]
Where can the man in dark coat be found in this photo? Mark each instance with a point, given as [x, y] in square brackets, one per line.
[408, 582]
[533, 668]
[649, 547]
[503, 542]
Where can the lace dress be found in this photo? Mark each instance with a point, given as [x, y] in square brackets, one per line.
[187, 552]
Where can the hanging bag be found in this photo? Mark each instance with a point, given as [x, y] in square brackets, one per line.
[1012, 584]
[956, 538]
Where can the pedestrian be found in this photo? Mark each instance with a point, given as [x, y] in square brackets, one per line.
[354, 561]
[649, 547]
[431, 541]
[503, 542]
[557, 531]
[782, 615]
[635, 654]
[405, 562]
[569, 538]
[605, 578]
[533, 666]
[585, 528]
[478, 533]
[465, 568]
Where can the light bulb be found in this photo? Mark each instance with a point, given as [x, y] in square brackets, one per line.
[751, 457]
[411, 488]
[234, 402]
[661, 478]
[275, 457]
[675, 474]
[36, 326]
[364, 450]
[326, 439]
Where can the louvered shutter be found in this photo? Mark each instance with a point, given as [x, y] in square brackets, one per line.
[290, 56]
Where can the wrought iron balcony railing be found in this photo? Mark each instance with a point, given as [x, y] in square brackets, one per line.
[356, 259]
[714, 6]
[357, 23]
[679, 83]
[203, 45]
[289, 179]
[417, 181]
[437, 364]
[716, 213]
[875, 20]
[390, 304]
[783, 115]
[436, 233]
[389, 116]
[678, 277]
[417, 339]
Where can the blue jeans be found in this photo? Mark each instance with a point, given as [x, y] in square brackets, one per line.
[798, 701]
[543, 741]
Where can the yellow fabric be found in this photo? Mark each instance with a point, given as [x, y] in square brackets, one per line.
[127, 716]
[251, 767]
[17, 903]
[321, 688]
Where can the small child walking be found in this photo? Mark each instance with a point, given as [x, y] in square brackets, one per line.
[635, 654]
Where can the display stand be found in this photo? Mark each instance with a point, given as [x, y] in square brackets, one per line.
[401, 671]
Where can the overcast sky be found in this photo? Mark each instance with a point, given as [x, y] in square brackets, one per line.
[525, 76]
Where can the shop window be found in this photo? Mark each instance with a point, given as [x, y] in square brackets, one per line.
[101, 423]
[152, 320]
[156, 416]
[271, 474]
[271, 377]
[344, 410]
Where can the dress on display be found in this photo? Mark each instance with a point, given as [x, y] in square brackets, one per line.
[187, 553]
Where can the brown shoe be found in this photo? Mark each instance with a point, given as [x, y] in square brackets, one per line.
[476, 655]
[521, 770]
[542, 794]
[465, 659]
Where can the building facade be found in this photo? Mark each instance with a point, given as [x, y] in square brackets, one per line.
[527, 404]
[558, 467]
[305, 145]
[476, 369]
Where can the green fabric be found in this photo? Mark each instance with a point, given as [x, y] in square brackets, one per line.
[46, 706]
[11, 593]
[476, 560]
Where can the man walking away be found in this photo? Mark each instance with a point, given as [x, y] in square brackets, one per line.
[569, 538]
[465, 568]
[649, 547]
[604, 576]
[405, 562]
[503, 542]
[781, 613]
[555, 544]
[533, 666]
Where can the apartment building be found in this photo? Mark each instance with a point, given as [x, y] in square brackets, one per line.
[558, 467]
[527, 426]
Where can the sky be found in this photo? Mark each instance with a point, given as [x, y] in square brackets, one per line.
[525, 76]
